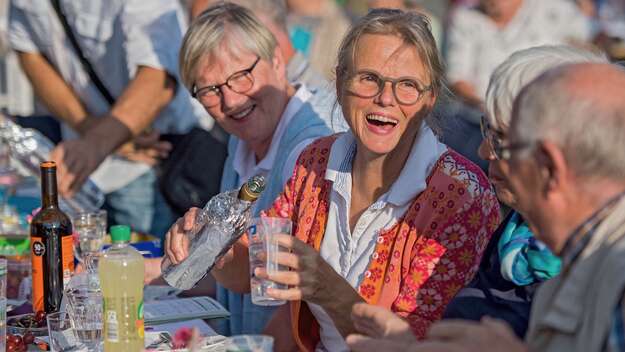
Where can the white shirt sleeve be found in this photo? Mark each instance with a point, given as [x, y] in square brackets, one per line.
[153, 33]
[20, 34]
[289, 166]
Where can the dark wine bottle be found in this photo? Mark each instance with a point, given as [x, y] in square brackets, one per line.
[51, 246]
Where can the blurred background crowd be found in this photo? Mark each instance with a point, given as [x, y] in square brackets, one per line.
[151, 104]
[474, 36]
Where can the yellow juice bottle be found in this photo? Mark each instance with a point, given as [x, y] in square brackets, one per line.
[121, 277]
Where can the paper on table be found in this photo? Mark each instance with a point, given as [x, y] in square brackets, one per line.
[160, 312]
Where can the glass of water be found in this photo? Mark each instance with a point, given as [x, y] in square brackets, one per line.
[89, 231]
[263, 250]
[61, 333]
[84, 306]
[3, 303]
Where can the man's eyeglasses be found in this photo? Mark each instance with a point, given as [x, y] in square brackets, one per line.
[238, 82]
[496, 142]
[368, 84]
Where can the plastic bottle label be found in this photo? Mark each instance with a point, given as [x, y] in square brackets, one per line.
[112, 326]
[139, 323]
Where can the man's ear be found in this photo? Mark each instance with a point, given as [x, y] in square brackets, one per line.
[554, 170]
[278, 63]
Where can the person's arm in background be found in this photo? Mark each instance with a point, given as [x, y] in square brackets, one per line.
[58, 96]
[460, 56]
[149, 91]
[150, 31]
[53, 92]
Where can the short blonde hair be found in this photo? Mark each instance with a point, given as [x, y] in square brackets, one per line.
[209, 31]
[412, 27]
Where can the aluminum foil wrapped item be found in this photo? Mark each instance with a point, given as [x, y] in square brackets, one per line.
[217, 227]
[28, 148]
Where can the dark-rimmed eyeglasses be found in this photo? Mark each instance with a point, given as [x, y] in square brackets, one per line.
[369, 84]
[238, 82]
[496, 142]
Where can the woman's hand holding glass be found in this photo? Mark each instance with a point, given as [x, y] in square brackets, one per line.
[310, 277]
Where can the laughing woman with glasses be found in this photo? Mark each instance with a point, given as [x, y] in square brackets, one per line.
[383, 213]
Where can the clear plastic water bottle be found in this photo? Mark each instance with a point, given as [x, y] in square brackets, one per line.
[217, 227]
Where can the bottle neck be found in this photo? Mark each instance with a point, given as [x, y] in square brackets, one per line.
[120, 244]
[49, 193]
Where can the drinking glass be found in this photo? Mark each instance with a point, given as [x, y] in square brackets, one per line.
[249, 343]
[84, 306]
[61, 333]
[90, 230]
[3, 303]
[263, 250]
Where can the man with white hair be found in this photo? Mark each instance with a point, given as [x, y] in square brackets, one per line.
[570, 183]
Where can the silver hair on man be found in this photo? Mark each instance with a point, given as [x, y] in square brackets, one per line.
[523, 67]
[588, 126]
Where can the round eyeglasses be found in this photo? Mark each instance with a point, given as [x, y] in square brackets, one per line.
[501, 150]
[369, 84]
[238, 82]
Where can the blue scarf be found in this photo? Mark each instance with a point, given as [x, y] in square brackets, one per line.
[524, 259]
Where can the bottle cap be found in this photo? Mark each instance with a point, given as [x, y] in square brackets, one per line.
[47, 165]
[252, 189]
[120, 233]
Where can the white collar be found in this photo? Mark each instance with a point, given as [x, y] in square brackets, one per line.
[244, 157]
[424, 154]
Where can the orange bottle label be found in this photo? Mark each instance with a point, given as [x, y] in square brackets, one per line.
[38, 251]
[67, 244]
